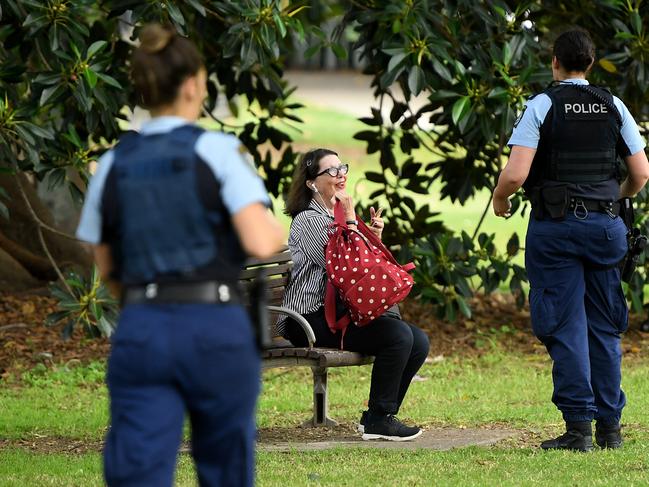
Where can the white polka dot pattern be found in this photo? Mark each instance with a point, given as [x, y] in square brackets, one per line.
[364, 274]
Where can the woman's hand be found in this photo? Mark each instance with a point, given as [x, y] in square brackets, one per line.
[376, 222]
[502, 206]
[347, 202]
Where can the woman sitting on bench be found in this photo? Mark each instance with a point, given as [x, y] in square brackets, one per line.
[399, 348]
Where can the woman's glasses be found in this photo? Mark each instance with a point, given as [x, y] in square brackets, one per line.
[334, 172]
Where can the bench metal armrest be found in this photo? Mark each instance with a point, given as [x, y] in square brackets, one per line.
[308, 331]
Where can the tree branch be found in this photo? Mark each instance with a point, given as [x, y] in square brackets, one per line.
[33, 214]
[52, 261]
[501, 147]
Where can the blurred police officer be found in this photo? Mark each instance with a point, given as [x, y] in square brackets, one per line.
[564, 152]
[172, 212]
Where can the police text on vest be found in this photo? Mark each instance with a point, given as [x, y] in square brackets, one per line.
[585, 108]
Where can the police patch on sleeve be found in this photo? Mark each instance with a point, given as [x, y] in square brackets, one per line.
[520, 117]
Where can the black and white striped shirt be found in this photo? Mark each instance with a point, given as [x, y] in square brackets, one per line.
[307, 241]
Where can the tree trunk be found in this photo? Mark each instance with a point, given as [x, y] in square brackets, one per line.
[13, 276]
[20, 241]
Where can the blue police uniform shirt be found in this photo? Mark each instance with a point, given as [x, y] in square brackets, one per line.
[240, 184]
[526, 132]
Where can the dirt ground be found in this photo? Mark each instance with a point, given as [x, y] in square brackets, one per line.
[25, 341]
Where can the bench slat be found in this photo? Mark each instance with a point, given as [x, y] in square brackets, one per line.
[322, 357]
[280, 257]
[274, 270]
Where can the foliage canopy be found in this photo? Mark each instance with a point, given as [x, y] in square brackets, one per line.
[64, 87]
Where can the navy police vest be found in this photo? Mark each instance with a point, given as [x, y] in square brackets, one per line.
[578, 138]
[166, 233]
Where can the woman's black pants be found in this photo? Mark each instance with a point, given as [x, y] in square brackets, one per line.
[399, 349]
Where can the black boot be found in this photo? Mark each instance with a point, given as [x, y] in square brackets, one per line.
[578, 437]
[608, 435]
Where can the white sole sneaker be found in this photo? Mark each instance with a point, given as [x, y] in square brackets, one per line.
[360, 428]
[371, 436]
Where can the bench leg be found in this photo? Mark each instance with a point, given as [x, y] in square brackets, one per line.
[320, 405]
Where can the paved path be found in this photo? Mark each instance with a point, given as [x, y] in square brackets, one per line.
[344, 91]
[432, 439]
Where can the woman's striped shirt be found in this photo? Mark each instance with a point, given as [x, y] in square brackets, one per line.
[307, 240]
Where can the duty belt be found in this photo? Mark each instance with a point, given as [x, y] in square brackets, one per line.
[189, 292]
[580, 207]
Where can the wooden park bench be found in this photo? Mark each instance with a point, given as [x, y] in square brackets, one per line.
[277, 269]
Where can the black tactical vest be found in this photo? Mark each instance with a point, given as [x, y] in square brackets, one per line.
[578, 138]
[166, 233]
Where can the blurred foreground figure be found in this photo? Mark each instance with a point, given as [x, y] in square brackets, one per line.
[565, 152]
[173, 212]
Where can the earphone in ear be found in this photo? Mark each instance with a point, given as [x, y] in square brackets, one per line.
[315, 190]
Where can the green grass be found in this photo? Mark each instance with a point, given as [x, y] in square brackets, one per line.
[20, 468]
[506, 389]
[466, 467]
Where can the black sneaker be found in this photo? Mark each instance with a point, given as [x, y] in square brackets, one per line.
[608, 435]
[363, 422]
[390, 428]
[570, 440]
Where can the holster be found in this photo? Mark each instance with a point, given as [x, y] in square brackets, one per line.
[258, 309]
[635, 240]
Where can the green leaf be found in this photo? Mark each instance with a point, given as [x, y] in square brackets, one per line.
[96, 47]
[280, 25]
[91, 77]
[637, 22]
[73, 137]
[442, 70]
[109, 80]
[47, 78]
[308, 54]
[513, 245]
[34, 20]
[197, 5]
[48, 93]
[507, 53]
[339, 51]
[175, 13]
[396, 60]
[461, 108]
[38, 131]
[416, 80]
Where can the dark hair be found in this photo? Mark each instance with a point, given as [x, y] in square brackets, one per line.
[161, 63]
[575, 50]
[299, 195]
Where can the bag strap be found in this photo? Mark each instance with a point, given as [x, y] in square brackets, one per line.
[330, 312]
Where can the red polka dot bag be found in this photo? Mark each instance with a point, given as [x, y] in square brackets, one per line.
[363, 272]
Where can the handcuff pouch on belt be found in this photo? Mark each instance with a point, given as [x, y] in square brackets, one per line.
[550, 201]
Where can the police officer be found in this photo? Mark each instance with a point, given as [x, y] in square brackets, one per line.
[564, 152]
[172, 213]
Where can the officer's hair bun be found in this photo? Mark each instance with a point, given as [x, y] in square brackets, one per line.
[154, 38]
[575, 50]
[160, 64]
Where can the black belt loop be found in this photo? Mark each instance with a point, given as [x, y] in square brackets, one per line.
[190, 292]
